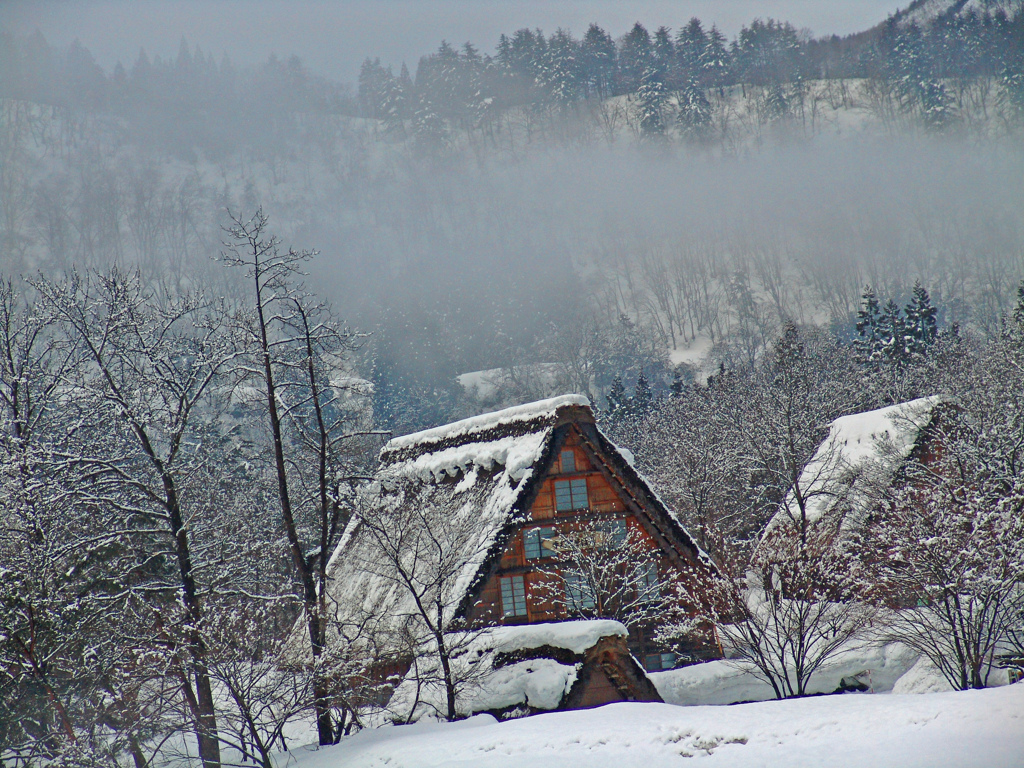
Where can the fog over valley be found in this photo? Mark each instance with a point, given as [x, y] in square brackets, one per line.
[374, 363]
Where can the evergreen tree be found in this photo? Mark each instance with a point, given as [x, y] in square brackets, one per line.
[429, 129]
[691, 43]
[617, 401]
[395, 103]
[695, 115]
[919, 324]
[373, 80]
[636, 57]
[1011, 81]
[559, 76]
[598, 56]
[715, 62]
[892, 332]
[936, 107]
[643, 396]
[678, 386]
[651, 98]
[869, 318]
[664, 56]
[1018, 310]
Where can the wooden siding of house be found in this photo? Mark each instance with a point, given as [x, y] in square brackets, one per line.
[604, 503]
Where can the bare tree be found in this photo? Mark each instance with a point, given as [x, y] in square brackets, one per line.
[293, 345]
[787, 615]
[690, 451]
[151, 363]
[36, 647]
[421, 550]
[607, 569]
[949, 546]
[260, 692]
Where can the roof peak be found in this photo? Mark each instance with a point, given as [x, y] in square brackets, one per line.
[539, 410]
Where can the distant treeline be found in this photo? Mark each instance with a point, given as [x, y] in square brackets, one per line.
[559, 70]
[213, 104]
[191, 100]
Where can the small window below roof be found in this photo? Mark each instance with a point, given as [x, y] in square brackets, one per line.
[568, 461]
[655, 662]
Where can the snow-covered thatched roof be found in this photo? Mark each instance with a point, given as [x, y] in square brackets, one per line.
[448, 499]
[859, 458]
[460, 485]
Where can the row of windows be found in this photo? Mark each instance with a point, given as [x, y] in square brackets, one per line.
[580, 594]
[539, 543]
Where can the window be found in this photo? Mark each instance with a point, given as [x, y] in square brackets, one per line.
[538, 543]
[579, 595]
[568, 461]
[650, 591]
[653, 662]
[571, 494]
[513, 596]
[611, 534]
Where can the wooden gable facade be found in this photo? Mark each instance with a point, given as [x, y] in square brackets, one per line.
[582, 479]
[499, 489]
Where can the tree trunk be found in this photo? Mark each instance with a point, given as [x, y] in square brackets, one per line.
[206, 713]
[325, 730]
[206, 721]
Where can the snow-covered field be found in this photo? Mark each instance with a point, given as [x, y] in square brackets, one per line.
[962, 730]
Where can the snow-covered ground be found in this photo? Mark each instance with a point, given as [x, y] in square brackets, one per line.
[962, 730]
[880, 668]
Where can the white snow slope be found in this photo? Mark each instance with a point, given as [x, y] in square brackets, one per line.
[969, 729]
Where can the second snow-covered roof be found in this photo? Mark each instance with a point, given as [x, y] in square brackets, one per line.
[860, 454]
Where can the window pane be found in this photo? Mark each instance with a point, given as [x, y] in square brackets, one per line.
[668, 660]
[531, 544]
[563, 495]
[572, 591]
[568, 461]
[578, 594]
[507, 603]
[651, 590]
[579, 493]
[513, 596]
[519, 592]
[547, 546]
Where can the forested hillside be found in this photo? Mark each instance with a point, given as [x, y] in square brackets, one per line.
[225, 286]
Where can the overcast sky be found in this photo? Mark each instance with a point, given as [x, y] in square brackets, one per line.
[334, 36]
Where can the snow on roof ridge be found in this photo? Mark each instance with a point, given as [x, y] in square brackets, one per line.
[855, 449]
[911, 409]
[483, 422]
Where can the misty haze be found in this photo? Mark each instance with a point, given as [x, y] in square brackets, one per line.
[370, 364]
